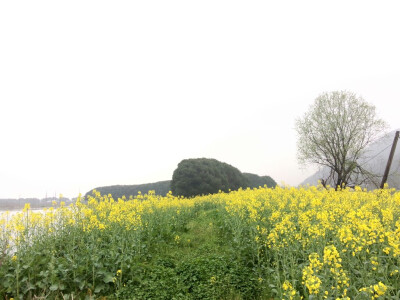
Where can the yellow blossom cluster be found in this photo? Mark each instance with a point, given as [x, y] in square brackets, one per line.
[310, 278]
[376, 290]
[288, 291]
[351, 223]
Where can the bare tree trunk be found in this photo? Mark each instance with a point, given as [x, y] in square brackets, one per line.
[338, 183]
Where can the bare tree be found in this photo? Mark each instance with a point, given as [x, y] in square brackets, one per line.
[335, 132]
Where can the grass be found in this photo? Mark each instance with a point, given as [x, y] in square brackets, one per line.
[199, 263]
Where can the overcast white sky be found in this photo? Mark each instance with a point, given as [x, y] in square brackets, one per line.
[96, 93]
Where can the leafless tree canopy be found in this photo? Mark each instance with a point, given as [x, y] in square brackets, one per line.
[334, 133]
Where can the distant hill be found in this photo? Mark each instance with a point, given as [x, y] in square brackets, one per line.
[117, 191]
[163, 187]
[374, 160]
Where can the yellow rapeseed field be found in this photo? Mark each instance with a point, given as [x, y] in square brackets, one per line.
[303, 242]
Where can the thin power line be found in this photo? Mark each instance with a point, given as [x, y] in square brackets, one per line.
[376, 154]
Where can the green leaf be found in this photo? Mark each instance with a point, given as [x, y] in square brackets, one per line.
[54, 287]
[108, 278]
[29, 287]
[99, 288]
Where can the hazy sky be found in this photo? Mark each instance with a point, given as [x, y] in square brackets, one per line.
[96, 93]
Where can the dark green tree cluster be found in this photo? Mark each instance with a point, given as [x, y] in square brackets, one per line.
[202, 176]
[205, 176]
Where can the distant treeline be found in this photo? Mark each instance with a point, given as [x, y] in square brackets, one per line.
[34, 202]
[256, 181]
[117, 191]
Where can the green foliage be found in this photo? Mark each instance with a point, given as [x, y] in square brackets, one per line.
[161, 188]
[205, 176]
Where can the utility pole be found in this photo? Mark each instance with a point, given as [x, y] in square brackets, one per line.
[385, 176]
